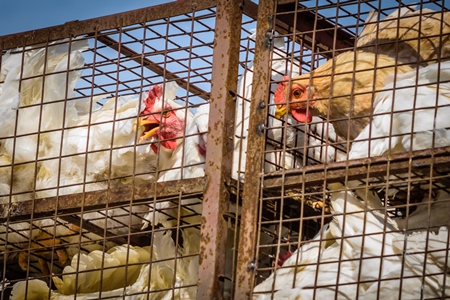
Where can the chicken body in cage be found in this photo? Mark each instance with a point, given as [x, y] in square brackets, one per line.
[23, 87]
[366, 255]
[126, 271]
[174, 131]
[342, 90]
[382, 98]
[58, 134]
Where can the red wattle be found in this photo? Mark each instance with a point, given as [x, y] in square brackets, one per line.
[302, 115]
[154, 148]
[172, 144]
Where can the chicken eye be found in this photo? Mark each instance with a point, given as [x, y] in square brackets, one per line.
[297, 93]
[166, 114]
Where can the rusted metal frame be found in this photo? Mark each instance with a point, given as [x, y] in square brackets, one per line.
[246, 262]
[158, 69]
[285, 23]
[76, 28]
[98, 199]
[359, 168]
[218, 163]
[324, 30]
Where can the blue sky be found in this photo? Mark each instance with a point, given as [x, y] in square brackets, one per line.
[23, 15]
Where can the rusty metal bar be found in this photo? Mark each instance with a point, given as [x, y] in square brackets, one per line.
[420, 161]
[245, 272]
[285, 23]
[128, 52]
[219, 149]
[76, 28]
[98, 199]
[324, 30]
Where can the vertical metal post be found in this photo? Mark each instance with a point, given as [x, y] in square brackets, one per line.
[246, 263]
[219, 148]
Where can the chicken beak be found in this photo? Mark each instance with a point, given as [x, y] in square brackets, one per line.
[148, 128]
[280, 111]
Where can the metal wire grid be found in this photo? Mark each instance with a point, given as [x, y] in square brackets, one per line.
[121, 62]
[402, 175]
[283, 221]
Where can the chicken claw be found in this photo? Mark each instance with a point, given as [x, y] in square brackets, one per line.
[313, 203]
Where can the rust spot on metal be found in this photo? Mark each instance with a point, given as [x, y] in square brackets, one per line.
[73, 203]
[77, 28]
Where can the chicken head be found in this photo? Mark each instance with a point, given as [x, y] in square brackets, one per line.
[302, 99]
[161, 120]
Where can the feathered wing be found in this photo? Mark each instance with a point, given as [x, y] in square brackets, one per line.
[35, 290]
[406, 118]
[407, 35]
[393, 129]
[108, 269]
[50, 87]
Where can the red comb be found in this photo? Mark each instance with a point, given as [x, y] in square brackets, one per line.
[153, 94]
[279, 95]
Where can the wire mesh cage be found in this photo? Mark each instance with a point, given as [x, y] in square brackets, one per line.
[96, 132]
[228, 149]
[360, 106]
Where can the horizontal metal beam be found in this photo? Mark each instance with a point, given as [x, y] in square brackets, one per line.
[77, 28]
[314, 27]
[324, 35]
[356, 169]
[113, 197]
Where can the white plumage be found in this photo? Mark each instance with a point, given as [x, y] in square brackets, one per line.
[184, 159]
[22, 119]
[242, 116]
[348, 252]
[411, 113]
[169, 268]
[49, 131]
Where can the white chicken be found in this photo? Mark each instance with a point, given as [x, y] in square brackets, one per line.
[49, 131]
[148, 270]
[410, 113]
[358, 250]
[275, 137]
[33, 79]
[286, 132]
[23, 88]
[174, 134]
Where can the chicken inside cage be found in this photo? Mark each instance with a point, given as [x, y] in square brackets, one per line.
[91, 158]
[385, 99]
[105, 165]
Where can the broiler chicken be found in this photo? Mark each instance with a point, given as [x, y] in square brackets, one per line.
[273, 159]
[43, 147]
[361, 255]
[411, 113]
[126, 272]
[175, 138]
[342, 89]
[29, 77]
